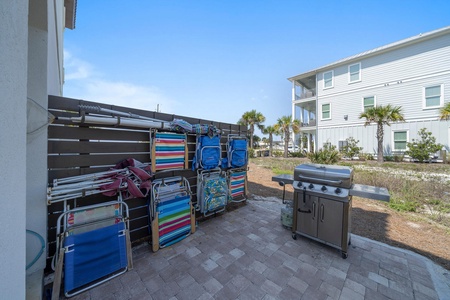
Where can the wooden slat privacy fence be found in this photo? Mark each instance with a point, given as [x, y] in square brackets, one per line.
[78, 149]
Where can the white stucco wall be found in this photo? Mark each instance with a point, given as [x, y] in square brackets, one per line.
[56, 19]
[37, 119]
[13, 87]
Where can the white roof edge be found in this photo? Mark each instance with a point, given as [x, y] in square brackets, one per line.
[71, 13]
[405, 42]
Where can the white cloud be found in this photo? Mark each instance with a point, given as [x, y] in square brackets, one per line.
[76, 68]
[82, 81]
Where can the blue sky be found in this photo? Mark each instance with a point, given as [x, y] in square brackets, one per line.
[215, 60]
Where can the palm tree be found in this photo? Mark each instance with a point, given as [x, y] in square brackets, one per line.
[250, 119]
[382, 115]
[284, 125]
[270, 130]
[444, 113]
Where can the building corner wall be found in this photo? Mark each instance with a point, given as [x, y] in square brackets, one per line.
[36, 138]
[13, 84]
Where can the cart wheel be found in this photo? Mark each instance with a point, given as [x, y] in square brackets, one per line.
[344, 255]
[294, 236]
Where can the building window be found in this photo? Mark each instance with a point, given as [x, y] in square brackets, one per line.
[326, 111]
[328, 79]
[342, 145]
[400, 140]
[354, 73]
[368, 102]
[433, 97]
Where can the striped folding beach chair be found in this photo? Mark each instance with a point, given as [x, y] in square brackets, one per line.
[169, 151]
[237, 185]
[172, 217]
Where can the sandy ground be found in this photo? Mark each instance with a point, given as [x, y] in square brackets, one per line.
[373, 220]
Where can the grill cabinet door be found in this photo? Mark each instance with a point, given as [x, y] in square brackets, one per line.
[330, 216]
[307, 214]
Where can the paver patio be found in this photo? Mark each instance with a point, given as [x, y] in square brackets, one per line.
[248, 254]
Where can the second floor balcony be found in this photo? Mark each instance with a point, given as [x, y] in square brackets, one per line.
[304, 88]
[305, 94]
[310, 123]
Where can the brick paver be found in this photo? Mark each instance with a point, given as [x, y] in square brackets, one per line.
[247, 254]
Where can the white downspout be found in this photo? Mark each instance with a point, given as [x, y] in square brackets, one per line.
[293, 113]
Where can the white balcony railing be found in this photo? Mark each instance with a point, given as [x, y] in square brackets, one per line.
[305, 94]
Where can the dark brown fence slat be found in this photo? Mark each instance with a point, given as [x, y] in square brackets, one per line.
[139, 234]
[67, 161]
[136, 202]
[139, 213]
[63, 114]
[63, 173]
[135, 224]
[87, 133]
[96, 147]
[62, 103]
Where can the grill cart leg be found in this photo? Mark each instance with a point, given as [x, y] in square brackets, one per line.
[344, 255]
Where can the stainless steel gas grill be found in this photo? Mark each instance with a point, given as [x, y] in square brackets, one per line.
[323, 202]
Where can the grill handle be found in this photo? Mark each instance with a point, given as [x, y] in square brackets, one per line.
[325, 181]
[322, 212]
[304, 200]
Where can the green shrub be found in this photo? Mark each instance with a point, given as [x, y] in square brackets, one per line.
[351, 149]
[277, 153]
[398, 157]
[404, 205]
[251, 153]
[297, 154]
[423, 148]
[365, 156]
[388, 158]
[327, 155]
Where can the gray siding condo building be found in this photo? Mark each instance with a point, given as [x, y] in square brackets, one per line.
[413, 73]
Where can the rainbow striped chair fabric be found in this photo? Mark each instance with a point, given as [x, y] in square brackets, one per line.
[237, 185]
[171, 215]
[169, 151]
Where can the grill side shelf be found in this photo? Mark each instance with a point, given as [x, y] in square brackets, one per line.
[284, 178]
[370, 192]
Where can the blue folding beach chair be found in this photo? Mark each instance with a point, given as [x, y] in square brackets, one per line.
[207, 152]
[237, 153]
[93, 246]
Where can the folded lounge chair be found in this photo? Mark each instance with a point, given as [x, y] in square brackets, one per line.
[212, 191]
[93, 246]
[237, 153]
[207, 152]
[237, 180]
[171, 215]
[168, 151]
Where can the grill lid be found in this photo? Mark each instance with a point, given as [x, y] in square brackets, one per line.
[338, 176]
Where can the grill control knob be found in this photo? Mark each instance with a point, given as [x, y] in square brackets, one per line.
[323, 189]
[338, 191]
[311, 186]
[299, 184]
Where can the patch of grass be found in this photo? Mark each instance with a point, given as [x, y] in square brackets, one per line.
[424, 194]
[282, 171]
[403, 205]
[279, 163]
